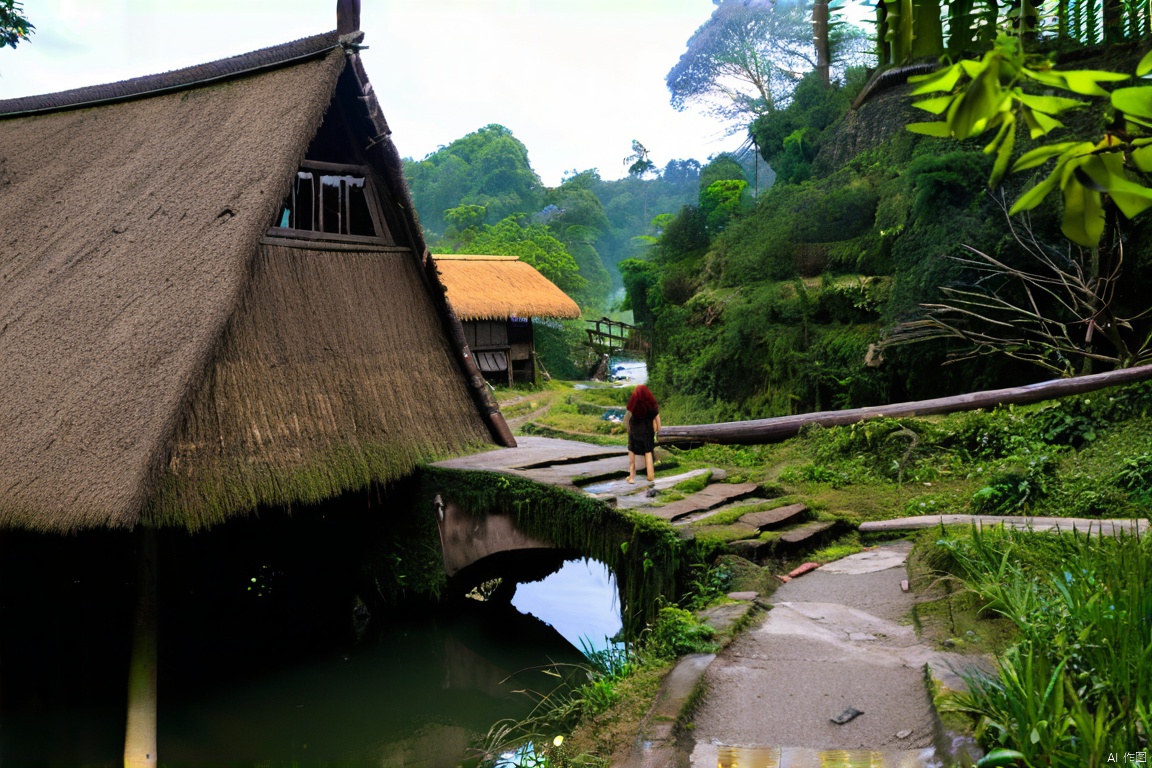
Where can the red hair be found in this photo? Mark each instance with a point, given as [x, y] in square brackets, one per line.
[642, 403]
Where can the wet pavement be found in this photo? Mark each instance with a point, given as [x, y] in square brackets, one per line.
[834, 641]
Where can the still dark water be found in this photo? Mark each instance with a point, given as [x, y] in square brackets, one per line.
[415, 690]
[419, 694]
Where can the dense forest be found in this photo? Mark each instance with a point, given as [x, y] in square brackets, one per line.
[884, 263]
[480, 195]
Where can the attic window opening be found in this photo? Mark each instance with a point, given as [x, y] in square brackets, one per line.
[331, 202]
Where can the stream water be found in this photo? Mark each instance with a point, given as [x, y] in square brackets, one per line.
[418, 694]
[419, 689]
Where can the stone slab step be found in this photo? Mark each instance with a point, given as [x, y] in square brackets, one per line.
[532, 451]
[775, 518]
[803, 533]
[709, 498]
[723, 618]
[622, 488]
[699, 517]
[750, 549]
[1080, 524]
[735, 530]
[554, 474]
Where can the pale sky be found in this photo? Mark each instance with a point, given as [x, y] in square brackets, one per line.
[574, 80]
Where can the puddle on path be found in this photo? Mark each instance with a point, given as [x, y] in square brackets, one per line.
[800, 757]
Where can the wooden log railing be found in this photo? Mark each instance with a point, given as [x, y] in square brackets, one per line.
[611, 336]
[784, 427]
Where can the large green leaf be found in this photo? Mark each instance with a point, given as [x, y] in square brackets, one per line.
[1107, 171]
[1083, 213]
[935, 105]
[1040, 124]
[939, 129]
[1034, 196]
[970, 114]
[1083, 81]
[1145, 65]
[1134, 102]
[1142, 158]
[1087, 81]
[940, 80]
[1051, 105]
[1004, 155]
[972, 68]
[1043, 154]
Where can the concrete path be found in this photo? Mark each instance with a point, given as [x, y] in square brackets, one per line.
[834, 641]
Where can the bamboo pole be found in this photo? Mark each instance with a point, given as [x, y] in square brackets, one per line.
[784, 427]
[140, 735]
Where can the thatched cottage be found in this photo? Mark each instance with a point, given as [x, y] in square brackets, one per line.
[215, 299]
[496, 298]
[215, 296]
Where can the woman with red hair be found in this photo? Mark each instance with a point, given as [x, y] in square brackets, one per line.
[643, 424]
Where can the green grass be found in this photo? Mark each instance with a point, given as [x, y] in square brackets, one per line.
[841, 548]
[1077, 684]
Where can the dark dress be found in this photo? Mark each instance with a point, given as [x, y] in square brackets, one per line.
[641, 435]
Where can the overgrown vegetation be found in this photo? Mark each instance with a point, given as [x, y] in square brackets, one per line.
[1083, 456]
[1076, 686]
[786, 307]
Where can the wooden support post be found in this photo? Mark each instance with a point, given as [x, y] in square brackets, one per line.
[140, 736]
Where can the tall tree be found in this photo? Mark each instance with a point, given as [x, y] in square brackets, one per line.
[639, 164]
[821, 40]
[745, 60]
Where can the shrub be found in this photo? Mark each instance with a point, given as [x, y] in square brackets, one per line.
[677, 632]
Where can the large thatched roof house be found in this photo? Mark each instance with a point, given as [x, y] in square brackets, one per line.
[214, 295]
[496, 298]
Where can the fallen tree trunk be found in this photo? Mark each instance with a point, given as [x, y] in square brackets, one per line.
[784, 427]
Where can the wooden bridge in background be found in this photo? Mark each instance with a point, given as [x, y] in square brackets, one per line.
[609, 337]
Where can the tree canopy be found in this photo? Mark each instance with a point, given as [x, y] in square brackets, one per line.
[745, 60]
[487, 168]
[14, 25]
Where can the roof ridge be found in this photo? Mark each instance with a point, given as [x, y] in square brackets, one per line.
[472, 257]
[178, 79]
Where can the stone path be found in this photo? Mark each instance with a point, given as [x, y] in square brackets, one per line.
[833, 641]
[600, 471]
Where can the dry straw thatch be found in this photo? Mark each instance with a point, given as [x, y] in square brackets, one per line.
[494, 287]
[333, 373]
[129, 253]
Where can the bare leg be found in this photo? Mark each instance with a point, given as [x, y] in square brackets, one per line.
[631, 467]
[649, 467]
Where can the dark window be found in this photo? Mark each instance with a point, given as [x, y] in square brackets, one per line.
[519, 330]
[327, 202]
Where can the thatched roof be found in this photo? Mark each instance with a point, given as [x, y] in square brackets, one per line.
[133, 287]
[493, 287]
[326, 344]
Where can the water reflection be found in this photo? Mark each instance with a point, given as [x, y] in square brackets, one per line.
[802, 757]
[580, 601]
[417, 695]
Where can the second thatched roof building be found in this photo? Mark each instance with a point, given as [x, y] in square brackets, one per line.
[496, 298]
